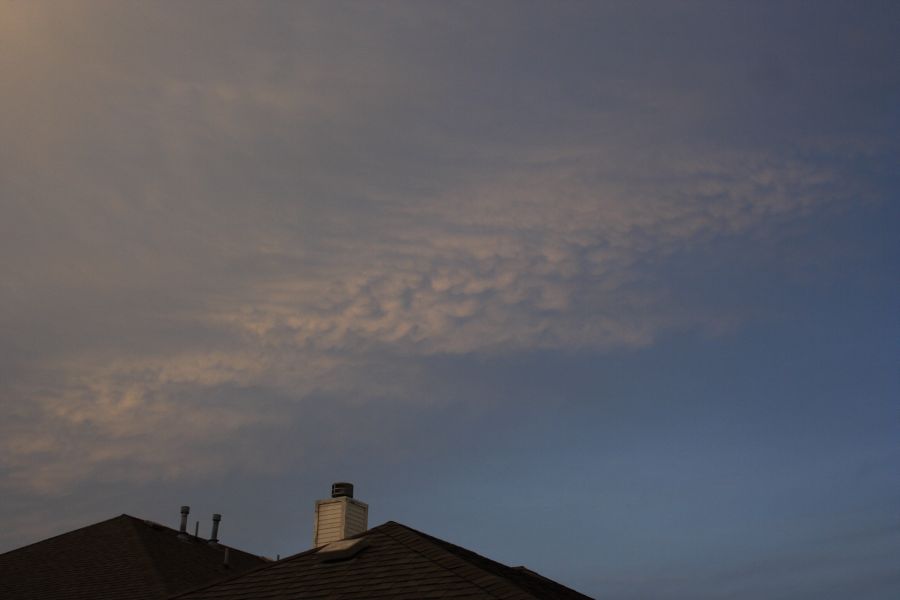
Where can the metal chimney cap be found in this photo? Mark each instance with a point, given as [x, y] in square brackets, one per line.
[185, 510]
[341, 489]
[217, 517]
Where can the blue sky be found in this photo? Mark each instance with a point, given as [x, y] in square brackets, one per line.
[605, 289]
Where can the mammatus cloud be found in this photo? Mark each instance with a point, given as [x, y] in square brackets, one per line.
[190, 216]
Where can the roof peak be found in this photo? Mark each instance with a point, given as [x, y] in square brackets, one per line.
[120, 557]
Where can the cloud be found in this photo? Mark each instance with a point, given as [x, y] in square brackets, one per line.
[537, 259]
[307, 204]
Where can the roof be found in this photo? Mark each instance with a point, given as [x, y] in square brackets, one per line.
[123, 557]
[397, 562]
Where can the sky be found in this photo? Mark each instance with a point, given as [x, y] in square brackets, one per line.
[607, 289]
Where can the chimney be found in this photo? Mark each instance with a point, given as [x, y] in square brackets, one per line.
[340, 516]
[182, 531]
[214, 538]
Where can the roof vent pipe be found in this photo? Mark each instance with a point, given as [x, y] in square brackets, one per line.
[214, 538]
[182, 531]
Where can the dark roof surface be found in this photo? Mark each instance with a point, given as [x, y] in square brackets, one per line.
[398, 562]
[123, 557]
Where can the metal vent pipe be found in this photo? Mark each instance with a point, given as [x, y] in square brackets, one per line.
[185, 510]
[215, 529]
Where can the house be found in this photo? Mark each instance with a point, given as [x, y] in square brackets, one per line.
[392, 560]
[126, 557]
[118, 559]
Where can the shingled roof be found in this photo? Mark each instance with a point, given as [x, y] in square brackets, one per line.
[396, 562]
[121, 558]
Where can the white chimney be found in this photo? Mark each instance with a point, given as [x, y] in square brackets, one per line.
[339, 517]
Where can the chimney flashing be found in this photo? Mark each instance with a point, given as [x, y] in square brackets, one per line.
[342, 549]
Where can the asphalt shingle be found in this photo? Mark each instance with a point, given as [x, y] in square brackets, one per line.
[398, 562]
[121, 558]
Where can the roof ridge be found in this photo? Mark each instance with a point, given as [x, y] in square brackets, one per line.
[64, 533]
[456, 558]
[514, 582]
[159, 579]
[267, 565]
[273, 564]
[137, 521]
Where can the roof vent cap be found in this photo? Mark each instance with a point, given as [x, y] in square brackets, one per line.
[341, 489]
[182, 529]
[214, 537]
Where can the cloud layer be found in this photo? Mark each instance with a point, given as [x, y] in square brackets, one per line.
[212, 218]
